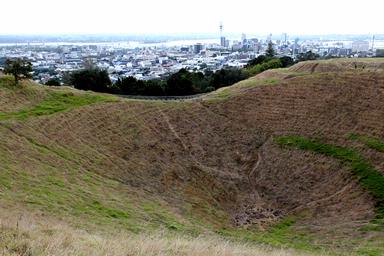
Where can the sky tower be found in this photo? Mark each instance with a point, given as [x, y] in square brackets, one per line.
[373, 42]
[221, 28]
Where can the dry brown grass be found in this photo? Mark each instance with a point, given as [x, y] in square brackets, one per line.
[26, 234]
[340, 65]
[210, 160]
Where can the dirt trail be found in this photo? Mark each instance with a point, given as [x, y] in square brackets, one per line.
[172, 129]
[259, 159]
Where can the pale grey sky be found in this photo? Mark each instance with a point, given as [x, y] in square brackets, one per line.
[194, 16]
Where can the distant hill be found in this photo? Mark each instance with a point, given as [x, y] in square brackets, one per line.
[291, 158]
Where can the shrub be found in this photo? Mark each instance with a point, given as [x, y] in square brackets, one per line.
[53, 82]
[93, 79]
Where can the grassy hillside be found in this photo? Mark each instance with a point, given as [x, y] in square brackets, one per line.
[290, 158]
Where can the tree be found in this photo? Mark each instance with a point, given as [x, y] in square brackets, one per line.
[93, 79]
[286, 61]
[259, 60]
[18, 68]
[270, 52]
[271, 64]
[180, 84]
[154, 88]
[307, 56]
[53, 82]
[226, 77]
[130, 86]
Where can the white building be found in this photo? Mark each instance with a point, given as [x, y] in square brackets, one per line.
[360, 46]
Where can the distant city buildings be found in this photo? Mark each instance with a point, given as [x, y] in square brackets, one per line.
[157, 61]
[360, 46]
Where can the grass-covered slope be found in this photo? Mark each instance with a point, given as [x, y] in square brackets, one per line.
[51, 176]
[369, 178]
[58, 162]
[208, 166]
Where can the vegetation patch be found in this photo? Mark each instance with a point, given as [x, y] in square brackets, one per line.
[57, 102]
[367, 175]
[281, 234]
[258, 68]
[8, 82]
[224, 94]
[371, 142]
[228, 92]
[259, 82]
[86, 196]
[160, 216]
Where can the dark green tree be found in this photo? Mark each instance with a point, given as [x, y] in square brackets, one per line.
[226, 77]
[258, 60]
[180, 83]
[53, 82]
[286, 61]
[308, 56]
[270, 52]
[130, 86]
[18, 68]
[154, 88]
[93, 79]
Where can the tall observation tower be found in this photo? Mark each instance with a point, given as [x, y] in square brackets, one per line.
[222, 38]
[373, 42]
[221, 28]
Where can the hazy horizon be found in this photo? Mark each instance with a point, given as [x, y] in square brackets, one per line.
[170, 17]
[188, 35]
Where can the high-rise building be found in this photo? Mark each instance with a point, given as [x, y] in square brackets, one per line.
[223, 41]
[197, 48]
[226, 44]
[243, 38]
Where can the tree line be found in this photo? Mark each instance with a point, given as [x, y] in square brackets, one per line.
[181, 83]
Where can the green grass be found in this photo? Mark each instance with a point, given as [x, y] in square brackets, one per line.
[371, 142]
[282, 234]
[249, 83]
[161, 217]
[368, 177]
[8, 82]
[226, 93]
[90, 198]
[57, 102]
[56, 183]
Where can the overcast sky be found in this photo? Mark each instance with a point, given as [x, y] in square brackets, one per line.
[193, 16]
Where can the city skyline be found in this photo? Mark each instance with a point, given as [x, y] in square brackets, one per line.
[176, 17]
